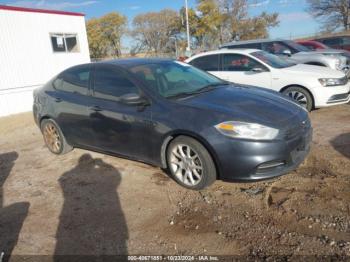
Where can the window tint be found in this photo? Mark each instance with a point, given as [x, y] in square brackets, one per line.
[111, 83]
[309, 46]
[272, 60]
[252, 45]
[207, 63]
[169, 79]
[74, 80]
[235, 62]
[333, 41]
[275, 47]
[346, 40]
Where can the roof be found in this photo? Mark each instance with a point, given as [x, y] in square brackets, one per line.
[34, 10]
[243, 51]
[330, 37]
[250, 42]
[129, 62]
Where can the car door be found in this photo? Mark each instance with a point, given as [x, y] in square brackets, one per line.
[241, 69]
[118, 127]
[70, 98]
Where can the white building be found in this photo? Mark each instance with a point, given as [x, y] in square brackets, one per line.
[35, 45]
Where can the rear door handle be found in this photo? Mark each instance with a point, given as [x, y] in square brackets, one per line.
[95, 108]
[57, 99]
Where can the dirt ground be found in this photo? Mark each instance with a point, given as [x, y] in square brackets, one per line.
[92, 204]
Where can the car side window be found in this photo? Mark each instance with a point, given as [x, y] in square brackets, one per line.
[333, 41]
[346, 40]
[111, 83]
[251, 45]
[309, 46]
[275, 48]
[239, 63]
[207, 63]
[74, 80]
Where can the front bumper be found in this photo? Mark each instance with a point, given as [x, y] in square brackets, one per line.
[332, 95]
[249, 161]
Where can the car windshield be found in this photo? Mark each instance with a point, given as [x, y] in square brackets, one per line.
[272, 60]
[174, 79]
[297, 47]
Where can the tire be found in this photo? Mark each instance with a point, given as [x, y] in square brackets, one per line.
[193, 168]
[301, 96]
[54, 138]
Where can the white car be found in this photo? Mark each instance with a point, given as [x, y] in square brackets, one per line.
[311, 86]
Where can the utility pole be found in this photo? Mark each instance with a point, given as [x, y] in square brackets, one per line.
[176, 52]
[188, 49]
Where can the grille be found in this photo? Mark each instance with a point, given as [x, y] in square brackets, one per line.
[338, 97]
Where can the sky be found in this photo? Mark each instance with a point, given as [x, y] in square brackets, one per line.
[294, 19]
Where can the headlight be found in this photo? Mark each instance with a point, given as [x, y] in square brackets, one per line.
[333, 81]
[254, 131]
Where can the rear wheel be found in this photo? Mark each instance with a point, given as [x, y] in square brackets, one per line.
[301, 96]
[190, 164]
[54, 138]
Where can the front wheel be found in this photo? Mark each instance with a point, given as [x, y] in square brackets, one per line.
[301, 96]
[190, 164]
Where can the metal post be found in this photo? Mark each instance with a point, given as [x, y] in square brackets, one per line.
[176, 51]
[188, 29]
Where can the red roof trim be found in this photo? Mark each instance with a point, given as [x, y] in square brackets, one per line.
[34, 10]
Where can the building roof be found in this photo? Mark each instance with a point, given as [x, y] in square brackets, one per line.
[34, 10]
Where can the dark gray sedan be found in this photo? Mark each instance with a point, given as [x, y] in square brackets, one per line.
[175, 116]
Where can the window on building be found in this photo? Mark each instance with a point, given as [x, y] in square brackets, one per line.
[64, 42]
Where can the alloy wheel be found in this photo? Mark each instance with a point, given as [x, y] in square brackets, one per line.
[299, 97]
[186, 164]
[52, 138]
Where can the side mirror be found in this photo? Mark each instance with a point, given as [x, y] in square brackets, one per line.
[133, 99]
[257, 70]
[286, 52]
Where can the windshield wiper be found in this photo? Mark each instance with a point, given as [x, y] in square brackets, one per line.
[211, 87]
[203, 89]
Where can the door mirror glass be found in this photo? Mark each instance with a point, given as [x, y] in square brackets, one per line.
[286, 52]
[257, 70]
[133, 99]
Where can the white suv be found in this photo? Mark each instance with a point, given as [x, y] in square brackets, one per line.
[311, 86]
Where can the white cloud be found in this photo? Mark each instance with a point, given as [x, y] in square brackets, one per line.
[52, 5]
[294, 16]
[134, 7]
[259, 3]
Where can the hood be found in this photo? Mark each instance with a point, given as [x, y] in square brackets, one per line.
[329, 54]
[315, 71]
[249, 104]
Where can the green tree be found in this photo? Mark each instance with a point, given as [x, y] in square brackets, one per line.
[153, 30]
[97, 43]
[105, 33]
[217, 21]
[241, 26]
[211, 22]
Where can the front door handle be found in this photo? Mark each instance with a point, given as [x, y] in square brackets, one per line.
[95, 108]
[57, 99]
